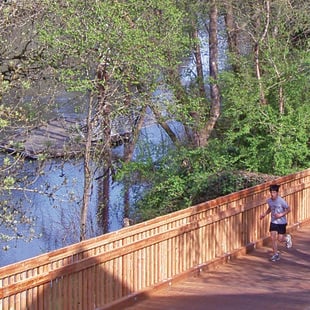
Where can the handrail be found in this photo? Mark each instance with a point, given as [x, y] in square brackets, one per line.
[101, 270]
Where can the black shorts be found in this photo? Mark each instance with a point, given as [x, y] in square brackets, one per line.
[280, 228]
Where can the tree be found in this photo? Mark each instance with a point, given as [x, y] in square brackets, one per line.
[19, 70]
[117, 54]
[198, 107]
[262, 100]
[213, 63]
[20, 59]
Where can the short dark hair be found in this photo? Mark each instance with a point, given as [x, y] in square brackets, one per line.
[274, 187]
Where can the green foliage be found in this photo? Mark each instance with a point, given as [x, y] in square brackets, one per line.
[272, 137]
[131, 39]
[164, 198]
[259, 136]
[176, 181]
[183, 178]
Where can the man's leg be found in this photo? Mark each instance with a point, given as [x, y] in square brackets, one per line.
[289, 242]
[286, 238]
[274, 237]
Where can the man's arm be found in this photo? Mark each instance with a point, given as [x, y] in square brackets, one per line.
[286, 211]
[265, 213]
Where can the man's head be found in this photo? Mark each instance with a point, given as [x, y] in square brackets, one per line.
[274, 190]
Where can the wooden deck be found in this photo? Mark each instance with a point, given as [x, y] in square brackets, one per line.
[248, 282]
[57, 138]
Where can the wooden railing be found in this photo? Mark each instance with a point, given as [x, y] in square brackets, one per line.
[103, 270]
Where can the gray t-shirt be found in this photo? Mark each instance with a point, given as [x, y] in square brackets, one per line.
[276, 206]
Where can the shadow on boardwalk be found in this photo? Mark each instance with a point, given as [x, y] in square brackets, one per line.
[249, 282]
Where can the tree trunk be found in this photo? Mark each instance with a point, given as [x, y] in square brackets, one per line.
[232, 35]
[103, 199]
[164, 125]
[257, 52]
[214, 88]
[104, 152]
[88, 173]
[199, 67]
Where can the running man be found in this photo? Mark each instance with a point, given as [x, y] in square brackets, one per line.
[278, 208]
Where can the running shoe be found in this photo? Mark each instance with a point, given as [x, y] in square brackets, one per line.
[289, 242]
[275, 257]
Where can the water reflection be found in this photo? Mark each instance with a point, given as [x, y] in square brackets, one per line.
[56, 211]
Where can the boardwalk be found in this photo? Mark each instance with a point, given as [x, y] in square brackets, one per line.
[250, 282]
